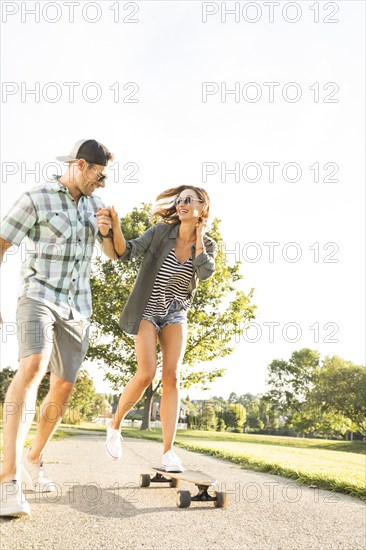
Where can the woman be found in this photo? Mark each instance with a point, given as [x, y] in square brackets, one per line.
[176, 254]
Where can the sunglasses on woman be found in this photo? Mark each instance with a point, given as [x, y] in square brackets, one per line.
[185, 200]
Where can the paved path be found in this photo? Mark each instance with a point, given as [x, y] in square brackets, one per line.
[99, 505]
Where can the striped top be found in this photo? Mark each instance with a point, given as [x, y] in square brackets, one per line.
[171, 283]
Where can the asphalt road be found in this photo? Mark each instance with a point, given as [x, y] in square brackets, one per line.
[100, 505]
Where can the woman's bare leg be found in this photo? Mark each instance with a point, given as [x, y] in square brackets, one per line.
[172, 340]
[145, 347]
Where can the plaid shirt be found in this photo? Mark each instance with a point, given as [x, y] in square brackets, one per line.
[57, 238]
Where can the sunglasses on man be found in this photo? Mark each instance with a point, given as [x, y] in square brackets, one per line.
[185, 200]
[100, 177]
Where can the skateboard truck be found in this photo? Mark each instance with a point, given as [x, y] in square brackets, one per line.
[203, 495]
[159, 478]
[184, 498]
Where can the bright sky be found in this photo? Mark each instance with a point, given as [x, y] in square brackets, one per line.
[154, 92]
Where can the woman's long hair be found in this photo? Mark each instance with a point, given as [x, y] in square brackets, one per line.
[165, 210]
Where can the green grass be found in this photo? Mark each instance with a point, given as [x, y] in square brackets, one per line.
[338, 466]
[87, 426]
[58, 435]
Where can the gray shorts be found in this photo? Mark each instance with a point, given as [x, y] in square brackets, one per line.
[41, 330]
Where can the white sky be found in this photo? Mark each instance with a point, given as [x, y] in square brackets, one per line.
[170, 132]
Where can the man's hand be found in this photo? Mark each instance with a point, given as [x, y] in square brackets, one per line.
[104, 220]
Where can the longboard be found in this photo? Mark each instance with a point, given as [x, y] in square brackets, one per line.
[184, 498]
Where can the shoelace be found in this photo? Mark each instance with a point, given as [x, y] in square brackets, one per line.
[42, 471]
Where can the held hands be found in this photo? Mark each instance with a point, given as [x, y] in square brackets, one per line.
[106, 218]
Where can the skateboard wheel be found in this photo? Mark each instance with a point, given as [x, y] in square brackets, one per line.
[221, 500]
[145, 480]
[174, 482]
[183, 499]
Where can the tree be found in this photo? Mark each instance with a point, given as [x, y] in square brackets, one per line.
[327, 398]
[311, 420]
[217, 312]
[233, 397]
[246, 399]
[290, 382]
[208, 419]
[220, 425]
[7, 375]
[234, 416]
[341, 390]
[85, 403]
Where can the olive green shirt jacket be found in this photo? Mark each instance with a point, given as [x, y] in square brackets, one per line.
[154, 245]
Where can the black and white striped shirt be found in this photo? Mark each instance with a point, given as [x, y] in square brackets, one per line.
[171, 283]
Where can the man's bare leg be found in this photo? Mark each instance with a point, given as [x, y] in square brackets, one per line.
[51, 412]
[19, 410]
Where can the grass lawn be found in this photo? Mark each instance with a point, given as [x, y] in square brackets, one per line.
[334, 465]
[58, 435]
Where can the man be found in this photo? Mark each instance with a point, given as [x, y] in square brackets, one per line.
[58, 223]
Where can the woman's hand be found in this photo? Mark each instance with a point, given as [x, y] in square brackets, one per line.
[115, 219]
[201, 227]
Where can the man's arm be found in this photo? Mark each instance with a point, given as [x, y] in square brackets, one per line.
[112, 246]
[4, 245]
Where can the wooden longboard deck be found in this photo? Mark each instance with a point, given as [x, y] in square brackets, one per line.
[192, 476]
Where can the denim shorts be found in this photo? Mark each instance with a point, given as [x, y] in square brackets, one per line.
[175, 315]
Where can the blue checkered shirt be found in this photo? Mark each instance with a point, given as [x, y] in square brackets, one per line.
[56, 238]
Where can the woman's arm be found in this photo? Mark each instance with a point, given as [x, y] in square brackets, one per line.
[119, 242]
[204, 262]
[113, 241]
[127, 250]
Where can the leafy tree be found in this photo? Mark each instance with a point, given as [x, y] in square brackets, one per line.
[233, 397]
[193, 410]
[220, 425]
[85, 403]
[311, 420]
[7, 375]
[341, 389]
[217, 312]
[43, 388]
[234, 416]
[253, 419]
[208, 417]
[290, 382]
[246, 399]
[327, 398]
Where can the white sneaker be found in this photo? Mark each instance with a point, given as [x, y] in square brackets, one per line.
[12, 499]
[172, 463]
[35, 477]
[113, 445]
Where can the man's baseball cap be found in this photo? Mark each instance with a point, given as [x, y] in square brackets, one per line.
[89, 150]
